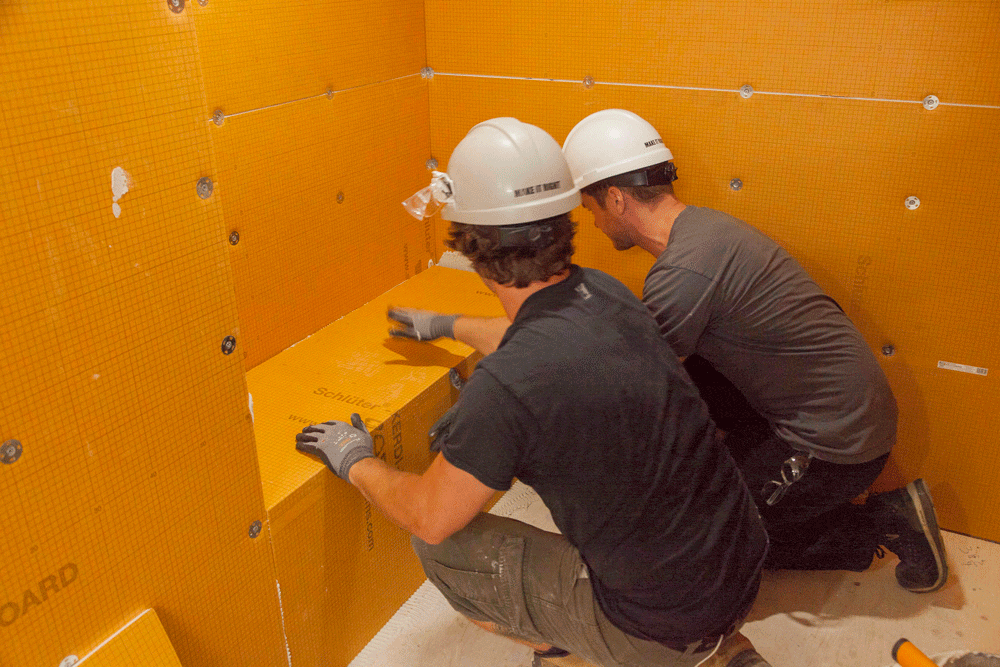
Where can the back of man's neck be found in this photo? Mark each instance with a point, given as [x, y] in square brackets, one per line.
[512, 298]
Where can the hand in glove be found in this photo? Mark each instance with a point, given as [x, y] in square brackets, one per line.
[339, 444]
[421, 324]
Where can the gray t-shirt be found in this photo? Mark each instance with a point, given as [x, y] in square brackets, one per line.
[727, 292]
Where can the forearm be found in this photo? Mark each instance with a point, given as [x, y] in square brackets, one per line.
[401, 496]
[482, 333]
[431, 506]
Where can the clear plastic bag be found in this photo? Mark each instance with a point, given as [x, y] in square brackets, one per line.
[428, 201]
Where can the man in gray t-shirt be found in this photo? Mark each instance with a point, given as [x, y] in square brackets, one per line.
[803, 404]
[725, 291]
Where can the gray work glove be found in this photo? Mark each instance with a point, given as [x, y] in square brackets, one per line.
[339, 444]
[421, 324]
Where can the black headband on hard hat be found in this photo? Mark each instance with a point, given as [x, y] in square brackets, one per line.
[664, 173]
[536, 235]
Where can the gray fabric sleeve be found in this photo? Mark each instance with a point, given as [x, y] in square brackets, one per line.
[681, 302]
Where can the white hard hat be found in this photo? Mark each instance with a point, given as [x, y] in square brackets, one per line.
[612, 142]
[505, 172]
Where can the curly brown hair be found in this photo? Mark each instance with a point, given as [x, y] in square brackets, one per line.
[516, 266]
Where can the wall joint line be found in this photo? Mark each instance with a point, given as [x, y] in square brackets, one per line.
[712, 90]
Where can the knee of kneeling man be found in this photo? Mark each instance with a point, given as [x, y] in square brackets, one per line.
[421, 548]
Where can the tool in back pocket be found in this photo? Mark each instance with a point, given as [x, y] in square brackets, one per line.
[792, 470]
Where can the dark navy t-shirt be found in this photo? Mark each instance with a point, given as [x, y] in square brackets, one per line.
[585, 403]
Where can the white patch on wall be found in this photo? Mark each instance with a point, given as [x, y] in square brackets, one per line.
[120, 182]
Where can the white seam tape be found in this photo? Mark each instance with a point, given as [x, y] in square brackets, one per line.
[951, 366]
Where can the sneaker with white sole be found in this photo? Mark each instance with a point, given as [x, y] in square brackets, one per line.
[910, 530]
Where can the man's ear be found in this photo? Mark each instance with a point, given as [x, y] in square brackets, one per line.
[615, 201]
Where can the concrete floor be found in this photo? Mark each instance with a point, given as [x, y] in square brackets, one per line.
[801, 618]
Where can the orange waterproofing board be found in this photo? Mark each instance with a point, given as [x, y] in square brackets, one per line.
[134, 482]
[143, 641]
[825, 177]
[343, 568]
[313, 190]
[269, 54]
[324, 131]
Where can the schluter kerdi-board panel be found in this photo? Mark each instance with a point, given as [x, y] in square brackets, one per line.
[133, 483]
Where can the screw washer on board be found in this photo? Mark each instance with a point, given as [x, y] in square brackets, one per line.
[340, 197]
[588, 81]
[228, 344]
[205, 187]
[931, 102]
[10, 451]
[329, 93]
[219, 117]
[176, 6]
[912, 203]
[254, 529]
[746, 91]
[888, 350]
[234, 237]
[427, 73]
[736, 184]
[431, 163]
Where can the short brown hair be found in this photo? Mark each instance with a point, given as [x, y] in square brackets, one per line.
[517, 266]
[646, 194]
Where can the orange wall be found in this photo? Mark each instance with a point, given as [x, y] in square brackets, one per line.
[313, 184]
[138, 480]
[137, 483]
[824, 173]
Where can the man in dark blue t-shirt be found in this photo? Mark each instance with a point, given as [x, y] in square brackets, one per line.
[661, 549]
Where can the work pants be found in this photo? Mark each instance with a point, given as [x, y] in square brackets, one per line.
[814, 526]
[533, 585]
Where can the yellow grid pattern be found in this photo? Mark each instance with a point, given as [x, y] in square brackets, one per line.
[313, 183]
[138, 479]
[318, 210]
[858, 48]
[257, 55]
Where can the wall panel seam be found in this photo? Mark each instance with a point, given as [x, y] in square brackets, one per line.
[714, 90]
